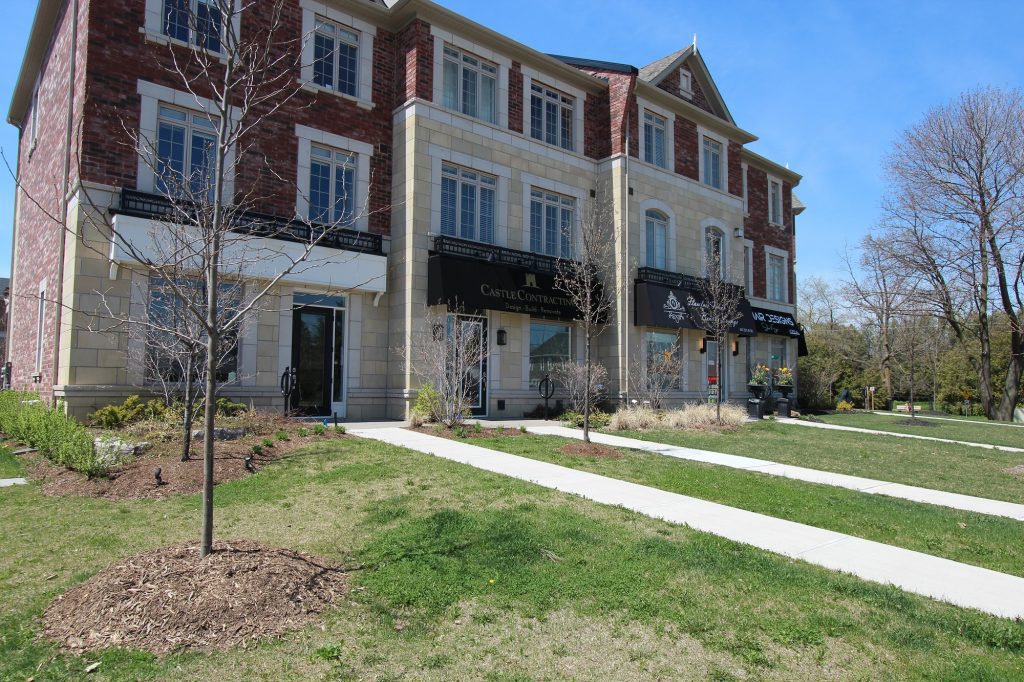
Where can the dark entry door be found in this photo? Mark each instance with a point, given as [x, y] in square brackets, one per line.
[312, 341]
[474, 332]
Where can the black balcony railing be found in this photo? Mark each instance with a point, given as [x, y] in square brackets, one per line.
[499, 255]
[673, 279]
[155, 206]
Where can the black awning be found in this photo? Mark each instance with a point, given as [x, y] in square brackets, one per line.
[657, 305]
[801, 347]
[774, 322]
[477, 285]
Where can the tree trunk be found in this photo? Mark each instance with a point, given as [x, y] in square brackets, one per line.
[210, 415]
[186, 418]
[1011, 390]
[588, 395]
[718, 364]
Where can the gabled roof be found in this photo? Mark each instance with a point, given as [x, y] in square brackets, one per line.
[659, 69]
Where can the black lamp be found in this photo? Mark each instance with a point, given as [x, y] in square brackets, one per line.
[502, 337]
[703, 345]
[735, 347]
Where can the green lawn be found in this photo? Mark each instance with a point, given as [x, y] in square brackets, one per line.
[988, 541]
[10, 467]
[966, 431]
[942, 466]
[470, 575]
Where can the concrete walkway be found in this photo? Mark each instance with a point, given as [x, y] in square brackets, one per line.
[856, 429]
[7, 482]
[949, 419]
[980, 505]
[950, 581]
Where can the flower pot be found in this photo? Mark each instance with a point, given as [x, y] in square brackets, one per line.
[784, 390]
[758, 390]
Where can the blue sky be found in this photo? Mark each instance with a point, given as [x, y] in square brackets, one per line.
[827, 86]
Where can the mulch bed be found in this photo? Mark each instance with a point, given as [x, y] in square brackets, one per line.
[170, 599]
[915, 422]
[590, 450]
[1015, 471]
[486, 432]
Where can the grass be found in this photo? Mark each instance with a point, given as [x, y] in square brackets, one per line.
[965, 431]
[987, 541]
[463, 574]
[10, 466]
[941, 466]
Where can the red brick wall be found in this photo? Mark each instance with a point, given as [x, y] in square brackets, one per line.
[38, 239]
[596, 130]
[515, 98]
[686, 150]
[699, 98]
[735, 169]
[757, 228]
[621, 101]
[416, 52]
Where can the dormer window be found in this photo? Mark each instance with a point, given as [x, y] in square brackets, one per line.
[685, 83]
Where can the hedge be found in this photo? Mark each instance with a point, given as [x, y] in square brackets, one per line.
[61, 439]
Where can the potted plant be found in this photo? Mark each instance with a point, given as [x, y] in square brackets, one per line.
[759, 378]
[784, 381]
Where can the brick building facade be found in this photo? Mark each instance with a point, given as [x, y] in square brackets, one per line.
[433, 112]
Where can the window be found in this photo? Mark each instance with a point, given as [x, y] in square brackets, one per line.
[657, 240]
[165, 354]
[467, 203]
[197, 22]
[551, 219]
[748, 269]
[775, 202]
[714, 252]
[470, 85]
[777, 278]
[40, 326]
[549, 346]
[663, 361]
[551, 115]
[778, 358]
[712, 163]
[685, 83]
[335, 57]
[654, 140]
[185, 153]
[332, 185]
[746, 196]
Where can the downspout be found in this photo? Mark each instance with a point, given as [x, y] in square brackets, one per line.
[625, 251]
[68, 136]
[14, 248]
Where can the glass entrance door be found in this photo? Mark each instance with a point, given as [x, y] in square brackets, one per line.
[318, 356]
[473, 335]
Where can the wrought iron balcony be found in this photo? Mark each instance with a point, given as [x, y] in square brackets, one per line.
[155, 206]
[673, 279]
[535, 262]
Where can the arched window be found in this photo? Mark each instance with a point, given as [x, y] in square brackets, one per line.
[657, 240]
[714, 251]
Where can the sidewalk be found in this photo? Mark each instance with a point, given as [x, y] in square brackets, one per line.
[857, 429]
[870, 486]
[968, 586]
[8, 482]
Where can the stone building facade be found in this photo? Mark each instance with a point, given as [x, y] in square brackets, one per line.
[476, 158]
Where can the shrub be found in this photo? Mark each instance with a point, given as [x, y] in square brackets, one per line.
[478, 427]
[267, 442]
[257, 450]
[416, 420]
[319, 429]
[844, 406]
[226, 407]
[598, 419]
[338, 428]
[60, 438]
[282, 435]
[522, 428]
[634, 419]
[702, 417]
[132, 410]
[428, 404]
[303, 432]
[460, 432]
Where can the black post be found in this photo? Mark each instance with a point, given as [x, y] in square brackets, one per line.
[546, 391]
[286, 387]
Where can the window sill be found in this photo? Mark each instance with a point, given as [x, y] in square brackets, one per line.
[556, 147]
[309, 86]
[161, 39]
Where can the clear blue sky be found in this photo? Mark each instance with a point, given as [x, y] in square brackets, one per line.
[826, 85]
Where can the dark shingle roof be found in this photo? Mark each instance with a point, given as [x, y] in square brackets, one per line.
[594, 64]
[655, 68]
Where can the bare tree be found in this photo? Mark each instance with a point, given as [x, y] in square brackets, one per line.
[656, 373]
[447, 355]
[719, 311]
[572, 377]
[954, 220]
[590, 283]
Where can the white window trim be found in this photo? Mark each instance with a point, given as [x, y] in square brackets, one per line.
[40, 327]
[772, 251]
[503, 63]
[366, 30]
[670, 240]
[151, 96]
[153, 27]
[715, 224]
[438, 155]
[748, 267]
[724, 141]
[364, 153]
[782, 203]
[688, 91]
[746, 190]
[530, 76]
[579, 195]
[670, 128]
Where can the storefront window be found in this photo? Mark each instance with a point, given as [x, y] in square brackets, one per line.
[663, 360]
[549, 345]
[778, 353]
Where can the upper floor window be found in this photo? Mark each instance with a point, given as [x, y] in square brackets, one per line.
[336, 57]
[654, 139]
[713, 158]
[185, 153]
[748, 269]
[467, 203]
[657, 240]
[470, 84]
[551, 116]
[714, 251]
[551, 219]
[197, 22]
[775, 202]
[777, 278]
[332, 185]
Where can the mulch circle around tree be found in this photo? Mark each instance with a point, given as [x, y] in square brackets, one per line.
[915, 422]
[590, 450]
[469, 432]
[170, 599]
[1015, 471]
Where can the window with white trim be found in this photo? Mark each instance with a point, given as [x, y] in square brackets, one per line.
[776, 274]
[185, 145]
[714, 248]
[663, 355]
[551, 116]
[470, 84]
[468, 202]
[713, 162]
[657, 239]
[551, 220]
[655, 139]
[40, 326]
[336, 57]
[196, 22]
[774, 201]
[748, 268]
[332, 185]
[685, 83]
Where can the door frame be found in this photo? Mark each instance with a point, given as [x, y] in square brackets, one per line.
[331, 311]
[328, 317]
[483, 321]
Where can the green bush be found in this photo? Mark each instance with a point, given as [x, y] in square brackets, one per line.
[598, 419]
[132, 410]
[61, 439]
[339, 428]
[844, 406]
[428, 403]
[226, 407]
[319, 429]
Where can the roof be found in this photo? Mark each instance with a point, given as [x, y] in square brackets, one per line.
[660, 66]
[579, 62]
[798, 206]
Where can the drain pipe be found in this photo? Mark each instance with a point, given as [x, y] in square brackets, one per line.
[624, 321]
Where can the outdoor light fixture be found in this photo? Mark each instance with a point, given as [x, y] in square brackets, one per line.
[703, 345]
[249, 466]
[502, 337]
[158, 477]
[735, 346]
